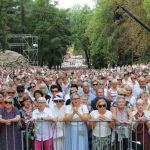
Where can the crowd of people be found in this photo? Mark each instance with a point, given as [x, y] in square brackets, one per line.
[82, 109]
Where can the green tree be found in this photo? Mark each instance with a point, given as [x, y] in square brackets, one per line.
[79, 18]
[6, 9]
[51, 25]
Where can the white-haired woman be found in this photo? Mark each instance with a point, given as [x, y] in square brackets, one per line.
[76, 129]
[123, 117]
[146, 100]
[130, 99]
[43, 117]
[59, 114]
[142, 124]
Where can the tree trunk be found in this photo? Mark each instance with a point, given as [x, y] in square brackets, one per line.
[87, 58]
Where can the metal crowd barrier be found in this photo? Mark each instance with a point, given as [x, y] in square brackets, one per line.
[77, 135]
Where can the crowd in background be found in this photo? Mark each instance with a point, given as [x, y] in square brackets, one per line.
[83, 109]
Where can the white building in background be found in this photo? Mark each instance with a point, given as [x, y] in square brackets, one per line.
[74, 62]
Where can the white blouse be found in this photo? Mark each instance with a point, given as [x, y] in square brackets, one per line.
[82, 110]
[43, 129]
[60, 126]
[101, 129]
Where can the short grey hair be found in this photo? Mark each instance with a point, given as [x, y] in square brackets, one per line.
[86, 83]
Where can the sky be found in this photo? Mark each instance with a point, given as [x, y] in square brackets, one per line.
[70, 3]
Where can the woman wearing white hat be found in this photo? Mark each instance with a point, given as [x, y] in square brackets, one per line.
[58, 114]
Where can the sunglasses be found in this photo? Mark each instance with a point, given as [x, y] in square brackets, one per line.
[58, 101]
[95, 84]
[11, 92]
[8, 102]
[100, 106]
[32, 86]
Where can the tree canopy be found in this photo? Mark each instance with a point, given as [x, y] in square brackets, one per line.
[114, 40]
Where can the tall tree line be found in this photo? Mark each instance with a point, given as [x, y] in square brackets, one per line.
[41, 18]
[112, 39]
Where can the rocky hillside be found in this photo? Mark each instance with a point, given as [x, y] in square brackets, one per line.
[12, 59]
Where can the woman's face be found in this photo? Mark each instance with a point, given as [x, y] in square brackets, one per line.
[140, 106]
[95, 85]
[121, 103]
[41, 105]
[101, 107]
[145, 97]
[9, 103]
[75, 100]
[129, 92]
[59, 103]
[37, 95]
[27, 103]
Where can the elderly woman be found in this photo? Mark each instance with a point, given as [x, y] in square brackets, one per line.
[146, 100]
[123, 116]
[130, 99]
[10, 134]
[142, 125]
[26, 111]
[26, 114]
[58, 114]
[76, 130]
[102, 127]
[42, 116]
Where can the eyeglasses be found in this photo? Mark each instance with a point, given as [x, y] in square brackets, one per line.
[58, 101]
[100, 106]
[8, 102]
[53, 91]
